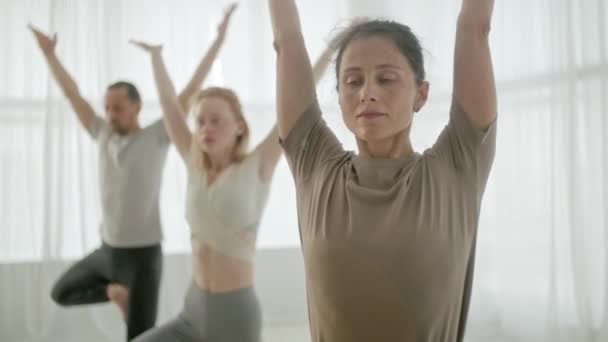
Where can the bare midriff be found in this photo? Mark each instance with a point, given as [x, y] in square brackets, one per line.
[217, 272]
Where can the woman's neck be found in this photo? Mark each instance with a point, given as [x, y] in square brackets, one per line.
[397, 146]
[219, 161]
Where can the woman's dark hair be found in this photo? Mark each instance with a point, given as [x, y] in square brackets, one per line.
[401, 35]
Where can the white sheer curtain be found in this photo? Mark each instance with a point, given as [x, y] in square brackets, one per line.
[542, 264]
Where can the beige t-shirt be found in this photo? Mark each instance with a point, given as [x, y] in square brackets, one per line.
[389, 244]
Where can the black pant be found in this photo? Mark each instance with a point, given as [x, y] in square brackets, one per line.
[139, 269]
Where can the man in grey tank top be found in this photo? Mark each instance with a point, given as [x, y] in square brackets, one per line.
[126, 268]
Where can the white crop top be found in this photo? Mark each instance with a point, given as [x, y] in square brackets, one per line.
[226, 214]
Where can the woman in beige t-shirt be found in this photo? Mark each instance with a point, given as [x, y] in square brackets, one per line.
[388, 235]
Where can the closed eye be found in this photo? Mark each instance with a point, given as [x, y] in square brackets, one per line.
[353, 81]
[387, 77]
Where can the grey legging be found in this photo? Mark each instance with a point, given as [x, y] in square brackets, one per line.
[212, 317]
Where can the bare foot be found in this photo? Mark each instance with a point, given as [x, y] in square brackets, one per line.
[119, 295]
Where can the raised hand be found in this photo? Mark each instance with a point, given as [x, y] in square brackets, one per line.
[204, 66]
[47, 44]
[223, 26]
[150, 48]
[86, 113]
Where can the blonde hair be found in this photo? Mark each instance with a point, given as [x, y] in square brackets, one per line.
[239, 152]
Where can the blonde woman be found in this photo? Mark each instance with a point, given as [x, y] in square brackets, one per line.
[226, 196]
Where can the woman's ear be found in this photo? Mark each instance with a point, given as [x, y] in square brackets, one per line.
[240, 127]
[421, 96]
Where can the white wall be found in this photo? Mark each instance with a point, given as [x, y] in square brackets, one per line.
[279, 283]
